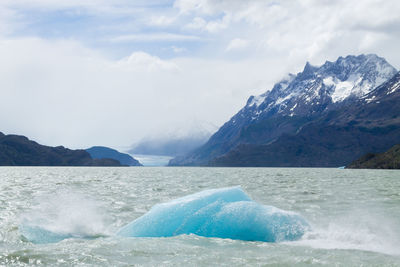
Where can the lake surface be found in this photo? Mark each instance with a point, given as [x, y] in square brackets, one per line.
[354, 214]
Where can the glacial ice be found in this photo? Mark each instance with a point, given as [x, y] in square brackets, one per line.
[222, 213]
[40, 235]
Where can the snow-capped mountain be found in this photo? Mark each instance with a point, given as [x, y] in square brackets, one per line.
[318, 88]
[295, 101]
[338, 137]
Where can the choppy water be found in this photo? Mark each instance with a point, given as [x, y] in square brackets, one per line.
[355, 215]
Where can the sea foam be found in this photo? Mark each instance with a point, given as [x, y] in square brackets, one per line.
[61, 216]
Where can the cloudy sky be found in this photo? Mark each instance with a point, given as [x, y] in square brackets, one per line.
[101, 72]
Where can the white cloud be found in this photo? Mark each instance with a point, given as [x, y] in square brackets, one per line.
[196, 23]
[187, 6]
[162, 21]
[178, 50]
[218, 25]
[212, 26]
[59, 92]
[8, 20]
[75, 92]
[211, 7]
[141, 61]
[237, 44]
[153, 37]
[307, 29]
[95, 5]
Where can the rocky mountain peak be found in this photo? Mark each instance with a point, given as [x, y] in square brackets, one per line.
[317, 88]
[308, 71]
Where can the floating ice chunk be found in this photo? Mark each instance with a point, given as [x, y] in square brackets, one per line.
[39, 235]
[223, 213]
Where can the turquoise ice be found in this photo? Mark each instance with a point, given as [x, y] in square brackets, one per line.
[222, 213]
[39, 235]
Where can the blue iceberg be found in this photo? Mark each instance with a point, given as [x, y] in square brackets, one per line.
[222, 213]
[39, 235]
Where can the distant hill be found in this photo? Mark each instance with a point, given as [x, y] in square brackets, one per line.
[324, 116]
[16, 150]
[386, 160]
[101, 152]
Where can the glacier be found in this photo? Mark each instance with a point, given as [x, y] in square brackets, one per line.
[222, 213]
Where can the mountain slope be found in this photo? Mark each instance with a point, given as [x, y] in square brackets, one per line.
[386, 160]
[340, 136]
[18, 150]
[101, 152]
[293, 103]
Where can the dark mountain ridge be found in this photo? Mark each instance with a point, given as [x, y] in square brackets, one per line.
[101, 152]
[16, 150]
[386, 160]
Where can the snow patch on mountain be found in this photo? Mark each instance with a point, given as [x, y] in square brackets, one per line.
[395, 87]
[344, 89]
